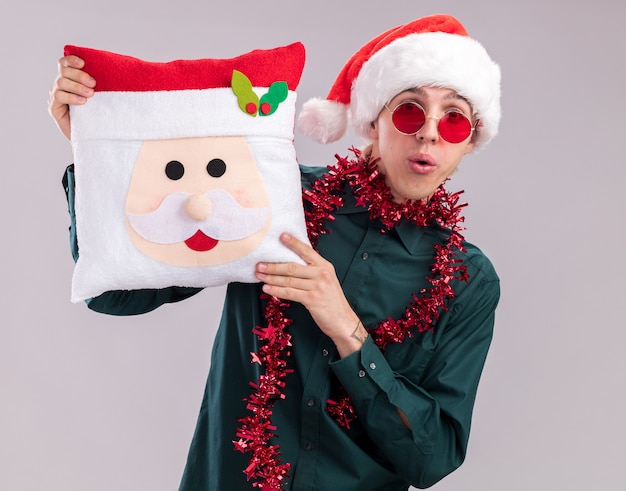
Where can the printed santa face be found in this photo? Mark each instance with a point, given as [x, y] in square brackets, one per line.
[185, 171]
[197, 201]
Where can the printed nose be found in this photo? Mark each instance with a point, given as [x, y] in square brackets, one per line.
[198, 207]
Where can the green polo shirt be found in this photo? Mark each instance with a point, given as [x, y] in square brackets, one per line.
[432, 377]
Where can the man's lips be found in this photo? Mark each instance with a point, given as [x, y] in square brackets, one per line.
[422, 163]
[201, 242]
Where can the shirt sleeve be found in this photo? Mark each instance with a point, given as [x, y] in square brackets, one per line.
[120, 302]
[438, 401]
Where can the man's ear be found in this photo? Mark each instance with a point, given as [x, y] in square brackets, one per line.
[477, 126]
[373, 131]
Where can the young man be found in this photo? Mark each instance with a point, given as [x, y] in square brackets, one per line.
[392, 315]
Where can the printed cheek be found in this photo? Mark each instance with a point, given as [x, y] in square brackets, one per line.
[144, 203]
[241, 195]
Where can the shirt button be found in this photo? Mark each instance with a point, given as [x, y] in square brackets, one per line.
[309, 446]
[361, 373]
[373, 366]
[324, 352]
[364, 256]
[310, 402]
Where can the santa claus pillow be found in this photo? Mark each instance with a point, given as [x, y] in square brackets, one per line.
[186, 173]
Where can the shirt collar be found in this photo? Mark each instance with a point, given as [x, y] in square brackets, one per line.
[410, 235]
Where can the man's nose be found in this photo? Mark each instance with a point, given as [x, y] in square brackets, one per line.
[198, 207]
[430, 131]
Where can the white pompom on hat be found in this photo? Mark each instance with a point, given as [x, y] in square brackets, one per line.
[430, 51]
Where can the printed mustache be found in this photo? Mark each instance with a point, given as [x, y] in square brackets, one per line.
[170, 224]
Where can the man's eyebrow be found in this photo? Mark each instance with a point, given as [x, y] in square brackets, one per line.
[454, 95]
[419, 91]
[451, 95]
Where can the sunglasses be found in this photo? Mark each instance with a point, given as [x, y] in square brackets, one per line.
[409, 117]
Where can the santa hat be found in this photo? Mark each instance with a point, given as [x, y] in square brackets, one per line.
[430, 51]
[141, 100]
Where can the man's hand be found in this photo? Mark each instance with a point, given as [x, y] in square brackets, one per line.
[71, 86]
[315, 285]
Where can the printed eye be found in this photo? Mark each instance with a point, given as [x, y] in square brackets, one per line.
[174, 170]
[216, 168]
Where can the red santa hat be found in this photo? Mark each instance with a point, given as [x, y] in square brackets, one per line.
[142, 100]
[430, 51]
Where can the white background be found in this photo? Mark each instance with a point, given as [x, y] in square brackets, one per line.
[90, 402]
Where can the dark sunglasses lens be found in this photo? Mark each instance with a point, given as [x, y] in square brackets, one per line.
[454, 127]
[408, 118]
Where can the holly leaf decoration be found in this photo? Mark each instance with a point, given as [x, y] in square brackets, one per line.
[276, 94]
[247, 99]
[249, 102]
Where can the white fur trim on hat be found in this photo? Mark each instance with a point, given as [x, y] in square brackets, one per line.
[429, 59]
[323, 120]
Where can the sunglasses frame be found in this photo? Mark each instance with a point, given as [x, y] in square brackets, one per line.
[392, 111]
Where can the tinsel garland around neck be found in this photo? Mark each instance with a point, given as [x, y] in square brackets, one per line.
[325, 197]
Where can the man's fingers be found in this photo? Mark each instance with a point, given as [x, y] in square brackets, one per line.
[289, 288]
[282, 273]
[77, 76]
[303, 250]
[71, 68]
[71, 61]
[72, 86]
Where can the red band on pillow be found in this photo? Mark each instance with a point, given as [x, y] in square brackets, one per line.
[114, 72]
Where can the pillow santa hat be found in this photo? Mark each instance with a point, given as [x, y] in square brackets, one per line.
[430, 51]
[185, 171]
